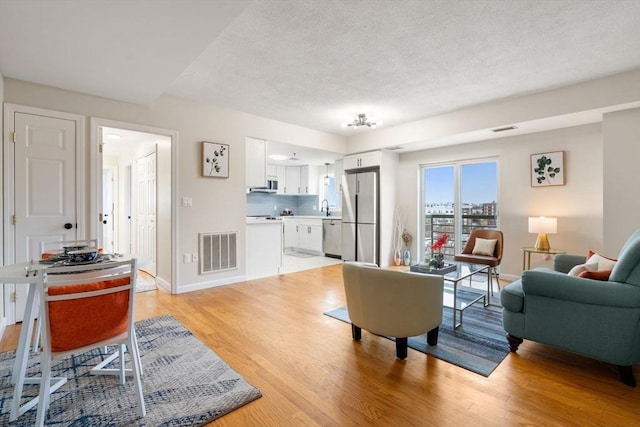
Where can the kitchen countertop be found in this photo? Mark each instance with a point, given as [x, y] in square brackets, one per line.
[336, 217]
[262, 220]
[279, 219]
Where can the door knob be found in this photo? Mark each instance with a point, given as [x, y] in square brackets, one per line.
[68, 226]
[104, 222]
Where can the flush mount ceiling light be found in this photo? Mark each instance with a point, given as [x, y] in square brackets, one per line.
[363, 121]
[113, 136]
[283, 157]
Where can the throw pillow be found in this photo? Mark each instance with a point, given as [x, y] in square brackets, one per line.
[603, 262]
[580, 268]
[596, 275]
[484, 246]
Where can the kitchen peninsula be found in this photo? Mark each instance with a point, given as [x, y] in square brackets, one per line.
[264, 247]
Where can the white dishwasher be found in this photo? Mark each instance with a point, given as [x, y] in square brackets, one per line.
[332, 237]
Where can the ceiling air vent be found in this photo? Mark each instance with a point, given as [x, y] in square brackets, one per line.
[504, 128]
[396, 147]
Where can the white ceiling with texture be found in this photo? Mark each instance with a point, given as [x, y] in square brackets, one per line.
[314, 63]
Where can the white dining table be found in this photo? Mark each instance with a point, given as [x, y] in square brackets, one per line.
[25, 273]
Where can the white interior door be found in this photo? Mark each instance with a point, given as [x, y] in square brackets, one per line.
[109, 186]
[146, 211]
[44, 187]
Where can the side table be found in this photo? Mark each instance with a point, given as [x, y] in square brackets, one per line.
[527, 251]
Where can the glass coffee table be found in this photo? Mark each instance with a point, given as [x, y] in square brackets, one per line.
[460, 299]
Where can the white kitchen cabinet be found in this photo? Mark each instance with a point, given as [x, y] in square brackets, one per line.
[338, 171]
[290, 234]
[272, 171]
[301, 180]
[310, 235]
[281, 176]
[362, 160]
[308, 179]
[256, 162]
[292, 180]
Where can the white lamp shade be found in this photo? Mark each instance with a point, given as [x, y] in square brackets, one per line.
[543, 224]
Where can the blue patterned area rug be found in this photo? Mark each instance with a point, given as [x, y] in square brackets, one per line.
[185, 384]
[479, 345]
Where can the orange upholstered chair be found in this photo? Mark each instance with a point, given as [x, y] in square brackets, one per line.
[82, 308]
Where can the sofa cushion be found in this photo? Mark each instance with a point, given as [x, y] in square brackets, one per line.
[484, 246]
[596, 275]
[512, 297]
[604, 263]
[580, 268]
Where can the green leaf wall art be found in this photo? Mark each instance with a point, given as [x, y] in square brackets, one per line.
[547, 169]
[215, 160]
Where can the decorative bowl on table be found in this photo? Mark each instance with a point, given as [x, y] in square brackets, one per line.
[83, 255]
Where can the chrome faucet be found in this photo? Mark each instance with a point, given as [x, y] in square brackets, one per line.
[322, 207]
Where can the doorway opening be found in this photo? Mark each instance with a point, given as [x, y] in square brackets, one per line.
[129, 193]
[134, 184]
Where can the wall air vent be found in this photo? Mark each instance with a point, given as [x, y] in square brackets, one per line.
[218, 252]
[395, 147]
[503, 129]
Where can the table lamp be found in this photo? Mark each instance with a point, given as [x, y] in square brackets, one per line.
[543, 226]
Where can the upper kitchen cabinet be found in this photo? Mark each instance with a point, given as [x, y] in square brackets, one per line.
[256, 157]
[301, 180]
[281, 176]
[362, 160]
[338, 171]
[292, 180]
[308, 179]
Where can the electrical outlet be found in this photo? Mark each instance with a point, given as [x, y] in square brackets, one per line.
[194, 257]
[186, 258]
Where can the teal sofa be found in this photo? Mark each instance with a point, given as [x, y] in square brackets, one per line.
[598, 319]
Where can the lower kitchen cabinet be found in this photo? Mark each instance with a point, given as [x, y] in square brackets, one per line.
[310, 236]
[303, 234]
[290, 234]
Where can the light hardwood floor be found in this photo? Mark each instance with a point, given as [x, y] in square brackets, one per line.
[272, 331]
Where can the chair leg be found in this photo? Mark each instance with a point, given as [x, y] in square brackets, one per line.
[122, 376]
[356, 332]
[401, 348]
[136, 367]
[514, 342]
[45, 390]
[432, 336]
[626, 375]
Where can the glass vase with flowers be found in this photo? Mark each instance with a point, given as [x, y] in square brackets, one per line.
[438, 257]
[406, 238]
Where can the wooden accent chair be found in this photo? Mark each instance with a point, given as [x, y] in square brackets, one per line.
[475, 253]
[82, 308]
[393, 303]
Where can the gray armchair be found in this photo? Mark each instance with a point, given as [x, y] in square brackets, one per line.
[598, 319]
[393, 303]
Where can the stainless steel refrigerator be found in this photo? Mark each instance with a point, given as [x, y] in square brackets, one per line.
[360, 217]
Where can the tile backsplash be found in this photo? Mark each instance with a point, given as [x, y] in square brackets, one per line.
[273, 204]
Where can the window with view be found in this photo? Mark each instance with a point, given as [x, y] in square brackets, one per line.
[456, 198]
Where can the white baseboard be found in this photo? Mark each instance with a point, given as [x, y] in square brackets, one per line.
[210, 284]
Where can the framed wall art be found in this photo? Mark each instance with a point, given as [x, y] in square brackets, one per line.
[547, 169]
[215, 160]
